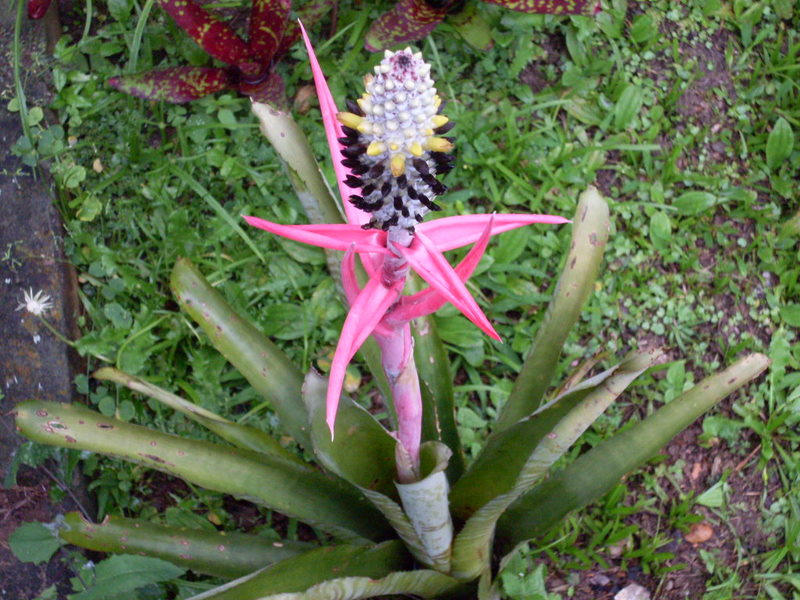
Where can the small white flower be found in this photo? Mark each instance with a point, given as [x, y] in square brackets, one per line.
[36, 304]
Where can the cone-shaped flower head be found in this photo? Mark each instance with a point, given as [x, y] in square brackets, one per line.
[391, 145]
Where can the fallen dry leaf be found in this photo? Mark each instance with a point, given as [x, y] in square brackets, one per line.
[699, 533]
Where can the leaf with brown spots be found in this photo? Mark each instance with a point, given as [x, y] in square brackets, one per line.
[407, 21]
[268, 19]
[216, 38]
[551, 7]
[176, 84]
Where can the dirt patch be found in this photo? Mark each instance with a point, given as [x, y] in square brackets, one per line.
[29, 501]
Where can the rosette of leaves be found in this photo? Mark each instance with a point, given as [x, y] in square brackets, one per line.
[412, 20]
[373, 543]
[250, 64]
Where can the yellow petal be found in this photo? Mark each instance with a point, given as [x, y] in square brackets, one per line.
[416, 149]
[375, 148]
[349, 119]
[438, 144]
[398, 165]
[439, 120]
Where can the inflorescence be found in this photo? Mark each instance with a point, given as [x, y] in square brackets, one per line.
[392, 143]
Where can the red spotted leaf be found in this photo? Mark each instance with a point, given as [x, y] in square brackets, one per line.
[176, 84]
[270, 91]
[215, 37]
[551, 7]
[309, 14]
[268, 19]
[408, 21]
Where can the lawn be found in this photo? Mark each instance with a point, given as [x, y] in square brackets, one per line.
[683, 114]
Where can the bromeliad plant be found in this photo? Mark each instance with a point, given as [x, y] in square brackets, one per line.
[412, 20]
[402, 512]
[251, 63]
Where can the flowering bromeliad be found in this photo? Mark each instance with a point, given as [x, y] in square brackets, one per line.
[392, 151]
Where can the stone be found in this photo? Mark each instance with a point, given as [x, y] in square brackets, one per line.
[634, 591]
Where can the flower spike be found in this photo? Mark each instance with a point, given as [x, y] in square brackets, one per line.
[388, 152]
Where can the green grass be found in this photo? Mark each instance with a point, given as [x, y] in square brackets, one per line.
[671, 107]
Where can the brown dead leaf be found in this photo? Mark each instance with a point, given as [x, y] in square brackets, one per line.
[304, 98]
[699, 533]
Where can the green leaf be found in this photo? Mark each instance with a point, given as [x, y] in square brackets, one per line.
[661, 231]
[260, 361]
[472, 27]
[540, 440]
[419, 583]
[791, 314]
[713, 497]
[300, 573]
[643, 28]
[779, 143]
[600, 469]
[694, 202]
[361, 451]
[124, 573]
[224, 554]
[497, 468]
[239, 435]
[296, 490]
[90, 207]
[33, 542]
[73, 176]
[589, 236]
[628, 106]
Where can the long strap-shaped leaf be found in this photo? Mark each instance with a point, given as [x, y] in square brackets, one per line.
[242, 436]
[597, 471]
[224, 554]
[589, 236]
[297, 491]
[299, 573]
[498, 466]
[472, 547]
[420, 583]
[361, 451]
[260, 361]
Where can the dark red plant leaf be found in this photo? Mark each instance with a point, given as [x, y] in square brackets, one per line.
[176, 84]
[215, 37]
[270, 91]
[309, 14]
[268, 19]
[37, 8]
[551, 7]
[408, 21]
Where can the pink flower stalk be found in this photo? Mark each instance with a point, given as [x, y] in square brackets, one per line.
[392, 154]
